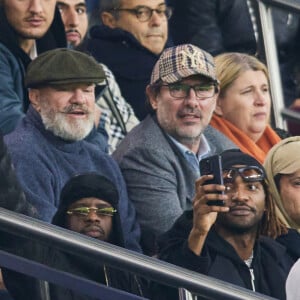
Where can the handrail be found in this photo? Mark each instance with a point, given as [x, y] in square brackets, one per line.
[121, 258]
[283, 4]
[272, 62]
[291, 115]
[64, 279]
[264, 7]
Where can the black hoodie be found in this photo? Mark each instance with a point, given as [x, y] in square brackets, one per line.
[271, 263]
[80, 186]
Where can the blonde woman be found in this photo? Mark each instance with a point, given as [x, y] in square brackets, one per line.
[244, 104]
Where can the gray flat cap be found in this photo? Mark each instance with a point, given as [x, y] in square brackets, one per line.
[63, 66]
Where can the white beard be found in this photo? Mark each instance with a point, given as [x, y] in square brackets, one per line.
[58, 124]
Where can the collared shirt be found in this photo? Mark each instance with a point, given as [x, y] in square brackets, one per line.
[33, 52]
[190, 156]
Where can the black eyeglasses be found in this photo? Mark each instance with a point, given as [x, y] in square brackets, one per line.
[249, 174]
[144, 13]
[181, 90]
[84, 211]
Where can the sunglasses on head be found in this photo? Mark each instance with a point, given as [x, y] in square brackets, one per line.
[249, 173]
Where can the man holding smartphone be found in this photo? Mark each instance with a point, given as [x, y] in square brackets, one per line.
[234, 242]
[160, 157]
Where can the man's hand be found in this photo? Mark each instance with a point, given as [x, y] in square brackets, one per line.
[205, 215]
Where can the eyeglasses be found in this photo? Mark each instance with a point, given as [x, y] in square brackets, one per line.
[181, 90]
[249, 174]
[144, 13]
[84, 211]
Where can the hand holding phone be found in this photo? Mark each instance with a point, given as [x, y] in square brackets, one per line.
[213, 166]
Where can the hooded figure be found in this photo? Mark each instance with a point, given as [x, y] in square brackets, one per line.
[87, 185]
[91, 185]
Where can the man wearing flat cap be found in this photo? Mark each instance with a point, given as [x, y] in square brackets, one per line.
[50, 145]
[160, 157]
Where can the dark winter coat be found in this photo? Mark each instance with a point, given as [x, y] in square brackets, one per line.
[130, 62]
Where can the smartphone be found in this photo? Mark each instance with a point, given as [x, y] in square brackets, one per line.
[213, 166]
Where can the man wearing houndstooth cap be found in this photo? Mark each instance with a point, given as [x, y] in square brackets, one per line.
[160, 157]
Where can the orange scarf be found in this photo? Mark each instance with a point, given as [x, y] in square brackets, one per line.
[258, 150]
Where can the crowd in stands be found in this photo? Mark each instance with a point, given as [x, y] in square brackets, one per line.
[103, 125]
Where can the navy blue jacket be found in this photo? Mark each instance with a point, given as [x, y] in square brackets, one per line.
[14, 100]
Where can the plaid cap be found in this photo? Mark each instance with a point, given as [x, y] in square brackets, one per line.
[63, 66]
[176, 63]
[284, 157]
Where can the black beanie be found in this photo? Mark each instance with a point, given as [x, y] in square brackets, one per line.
[236, 157]
[84, 186]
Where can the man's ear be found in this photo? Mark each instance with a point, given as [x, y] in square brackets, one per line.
[108, 19]
[151, 98]
[218, 109]
[34, 97]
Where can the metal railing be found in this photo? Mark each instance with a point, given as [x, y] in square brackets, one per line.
[121, 258]
[63, 279]
[267, 31]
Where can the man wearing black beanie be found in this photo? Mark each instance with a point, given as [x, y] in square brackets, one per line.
[88, 205]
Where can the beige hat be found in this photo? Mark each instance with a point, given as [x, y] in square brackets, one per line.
[285, 156]
[176, 63]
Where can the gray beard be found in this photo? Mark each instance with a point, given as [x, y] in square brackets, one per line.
[69, 131]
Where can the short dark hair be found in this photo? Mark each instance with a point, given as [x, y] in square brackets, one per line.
[108, 5]
[154, 90]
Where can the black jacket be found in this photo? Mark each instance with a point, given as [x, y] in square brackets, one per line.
[130, 62]
[219, 26]
[216, 26]
[85, 267]
[271, 262]
[291, 241]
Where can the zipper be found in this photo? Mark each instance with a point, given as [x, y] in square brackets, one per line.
[252, 279]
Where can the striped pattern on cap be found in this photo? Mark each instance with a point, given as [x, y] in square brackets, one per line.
[176, 63]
